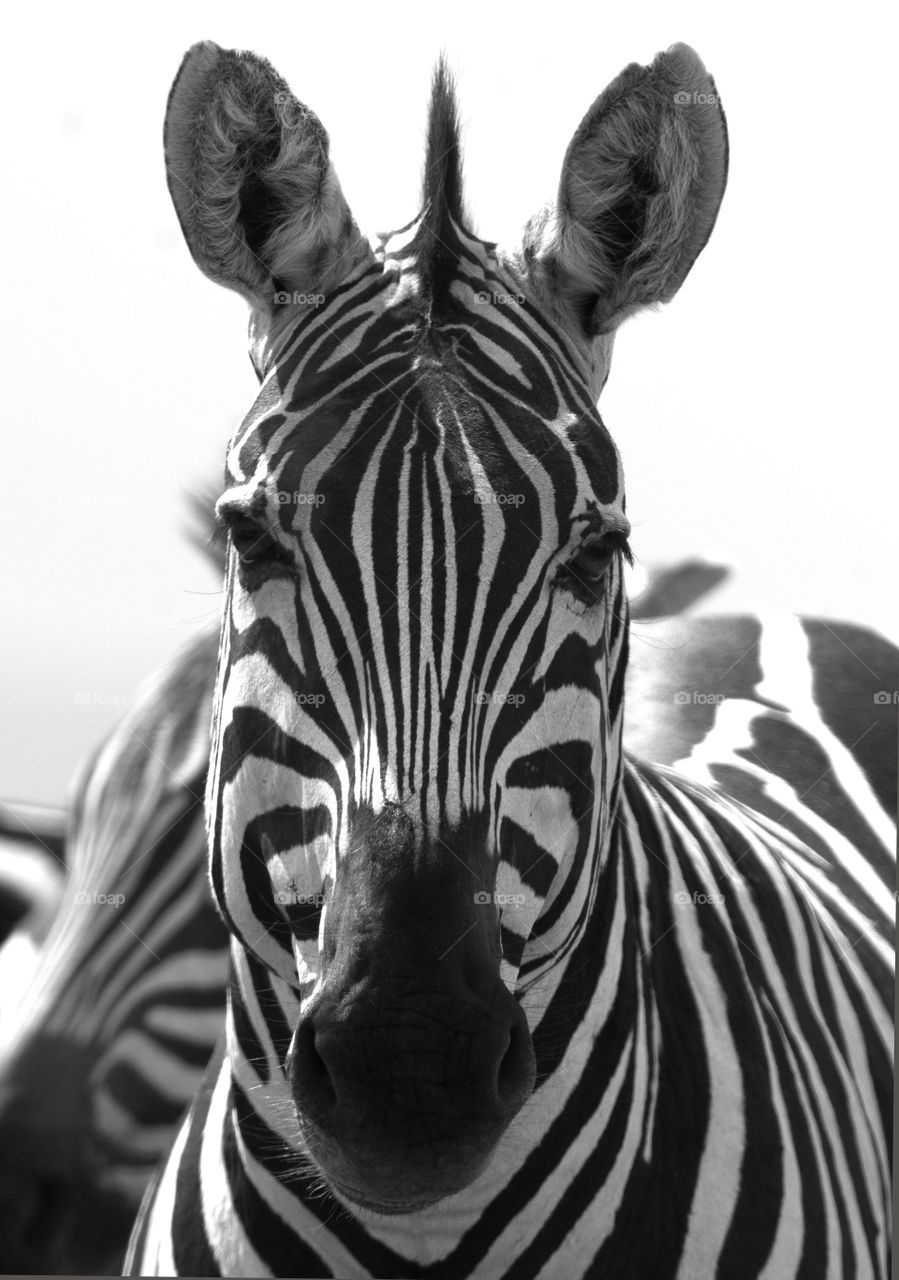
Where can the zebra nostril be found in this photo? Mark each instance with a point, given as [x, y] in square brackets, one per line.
[318, 1068]
[308, 1072]
[508, 1069]
[516, 1072]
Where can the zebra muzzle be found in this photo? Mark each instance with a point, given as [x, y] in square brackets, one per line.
[409, 1097]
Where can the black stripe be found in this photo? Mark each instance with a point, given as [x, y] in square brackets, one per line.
[283, 1251]
[190, 1247]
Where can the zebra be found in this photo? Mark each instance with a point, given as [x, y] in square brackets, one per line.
[722, 661]
[503, 1000]
[129, 1072]
[582, 987]
[132, 1068]
[111, 1035]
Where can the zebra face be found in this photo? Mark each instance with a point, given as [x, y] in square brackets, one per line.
[417, 726]
[417, 701]
[424, 593]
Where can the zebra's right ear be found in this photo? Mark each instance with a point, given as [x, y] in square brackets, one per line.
[253, 187]
[640, 189]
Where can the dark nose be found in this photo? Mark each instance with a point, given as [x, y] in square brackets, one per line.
[410, 1092]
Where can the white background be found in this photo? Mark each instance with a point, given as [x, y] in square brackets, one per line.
[754, 414]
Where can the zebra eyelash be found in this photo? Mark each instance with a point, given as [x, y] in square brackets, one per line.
[586, 581]
[621, 544]
[218, 530]
[258, 552]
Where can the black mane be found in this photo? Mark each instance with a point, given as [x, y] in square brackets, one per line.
[442, 200]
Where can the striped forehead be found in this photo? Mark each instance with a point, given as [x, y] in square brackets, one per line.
[481, 400]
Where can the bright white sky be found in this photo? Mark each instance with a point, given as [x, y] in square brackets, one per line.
[751, 413]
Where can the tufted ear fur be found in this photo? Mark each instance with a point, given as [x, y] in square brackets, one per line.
[639, 193]
[248, 170]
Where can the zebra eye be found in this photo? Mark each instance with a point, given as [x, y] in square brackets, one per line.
[253, 544]
[592, 560]
[583, 574]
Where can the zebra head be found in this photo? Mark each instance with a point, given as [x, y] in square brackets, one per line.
[417, 726]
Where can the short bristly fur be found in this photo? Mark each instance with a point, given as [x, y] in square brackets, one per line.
[250, 177]
[639, 193]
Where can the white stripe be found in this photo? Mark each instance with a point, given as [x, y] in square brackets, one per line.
[223, 1230]
[158, 1257]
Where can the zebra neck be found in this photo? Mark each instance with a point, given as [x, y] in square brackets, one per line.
[611, 1023]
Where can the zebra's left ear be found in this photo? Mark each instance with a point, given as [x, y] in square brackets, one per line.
[641, 185]
[251, 180]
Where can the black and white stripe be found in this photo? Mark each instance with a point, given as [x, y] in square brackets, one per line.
[122, 803]
[678, 1074]
[682, 675]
